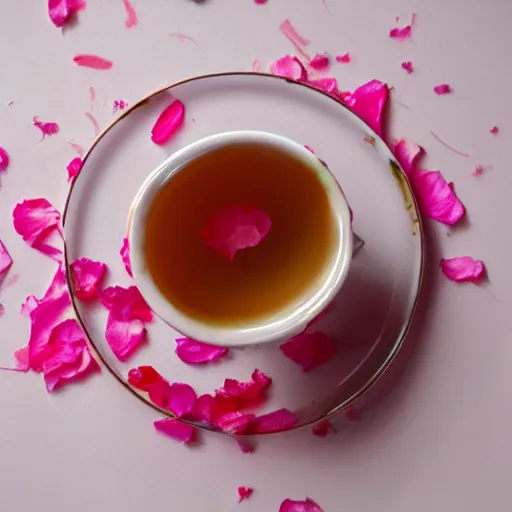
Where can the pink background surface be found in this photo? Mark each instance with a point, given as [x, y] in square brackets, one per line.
[441, 437]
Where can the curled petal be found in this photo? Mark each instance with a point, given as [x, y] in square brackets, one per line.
[442, 89]
[125, 256]
[60, 11]
[244, 493]
[275, 421]
[128, 300]
[494, 130]
[93, 62]
[143, 377]
[47, 128]
[202, 410]
[119, 105]
[245, 447]
[196, 352]
[4, 159]
[407, 153]
[131, 15]
[74, 168]
[181, 399]
[235, 423]
[463, 269]
[168, 123]
[309, 350]
[320, 62]
[289, 67]
[5, 261]
[308, 505]
[176, 430]
[401, 34]
[87, 276]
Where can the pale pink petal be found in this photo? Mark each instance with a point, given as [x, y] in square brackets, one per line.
[245, 492]
[275, 421]
[235, 423]
[448, 146]
[442, 89]
[308, 505]
[368, 102]
[494, 130]
[289, 31]
[29, 305]
[47, 128]
[323, 428]
[309, 350]
[260, 2]
[401, 33]
[478, 171]
[93, 61]
[251, 390]
[5, 261]
[407, 153]
[61, 10]
[436, 197]
[131, 15]
[143, 377]
[35, 220]
[168, 123]
[234, 228]
[320, 62]
[245, 447]
[176, 430]
[124, 336]
[463, 269]
[289, 67]
[125, 256]
[197, 352]
[74, 168]
[4, 159]
[343, 58]
[408, 66]
[87, 276]
[328, 85]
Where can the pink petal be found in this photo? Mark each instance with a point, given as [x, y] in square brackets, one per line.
[143, 377]
[308, 505]
[407, 65]
[131, 19]
[203, 410]
[128, 300]
[289, 67]
[479, 170]
[74, 168]
[260, 2]
[124, 336]
[176, 430]
[494, 130]
[196, 352]
[22, 359]
[320, 62]
[119, 105]
[401, 33]
[47, 128]
[343, 58]
[29, 305]
[436, 197]
[244, 446]
[4, 159]
[94, 122]
[5, 261]
[289, 31]
[309, 350]
[93, 61]
[328, 85]
[125, 256]
[61, 10]
[87, 276]
[463, 269]
[168, 123]
[244, 492]
[407, 153]
[181, 398]
[275, 421]
[442, 89]
[251, 390]
[235, 423]
[368, 102]
[234, 228]
[323, 428]
[35, 220]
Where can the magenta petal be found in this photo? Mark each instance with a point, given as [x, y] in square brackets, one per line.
[328, 85]
[234, 228]
[124, 336]
[244, 493]
[494, 130]
[74, 168]
[235, 423]
[463, 269]
[442, 89]
[128, 301]
[4, 159]
[181, 399]
[168, 123]
[343, 58]
[47, 128]
[407, 153]
[309, 350]
[5, 261]
[176, 430]
[436, 197]
[125, 256]
[245, 390]
[320, 62]
[289, 31]
[131, 15]
[322, 428]
[368, 102]
[308, 505]
[87, 276]
[401, 33]
[275, 421]
[196, 352]
[93, 62]
[289, 67]
[408, 66]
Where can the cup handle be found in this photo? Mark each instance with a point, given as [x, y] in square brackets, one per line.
[357, 244]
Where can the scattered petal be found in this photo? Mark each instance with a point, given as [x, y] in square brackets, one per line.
[234, 228]
[320, 62]
[289, 31]
[407, 65]
[176, 430]
[180, 398]
[203, 410]
[308, 505]
[125, 256]
[4, 160]
[260, 2]
[309, 350]
[49, 128]
[245, 492]
[275, 421]
[93, 61]
[343, 58]
[251, 390]
[323, 428]
[35, 220]
[494, 130]
[401, 33]
[442, 89]
[197, 352]
[436, 197]
[128, 299]
[5, 261]
[87, 276]
[289, 67]
[352, 414]
[463, 269]
[22, 359]
[74, 168]
[245, 447]
[119, 105]
[60, 11]
[94, 122]
[144, 377]
[168, 123]
[407, 153]
[328, 85]
[235, 423]
[131, 19]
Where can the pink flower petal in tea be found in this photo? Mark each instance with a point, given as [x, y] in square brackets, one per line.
[494, 130]
[61, 10]
[125, 256]
[5, 261]
[260, 2]
[197, 352]
[245, 447]
[29, 305]
[234, 228]
[463, 269]
[289, 67]
[308, 505]
[400, 34]
[442, 89]
[93, 61]
[320, 62]
[143, 377]
[437, 199]
[74, 168]
[244, 493]
[235, 423]
[352, 414]
[407, 153]
[131, 14]
[176, 430]
[22, 359]
[478, 171]
[253, 389]
[323, 428]
[35, 220]
[289, 31]
[275, 421]
[47, 128]
[309, 350]
[343, 58]
[168, 123]
[87, 276]
[368, 102]
[407, 65]
[4, 160]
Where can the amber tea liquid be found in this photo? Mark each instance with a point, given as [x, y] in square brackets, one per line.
[259, 281]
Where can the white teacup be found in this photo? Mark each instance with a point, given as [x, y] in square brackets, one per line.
[282, 325]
